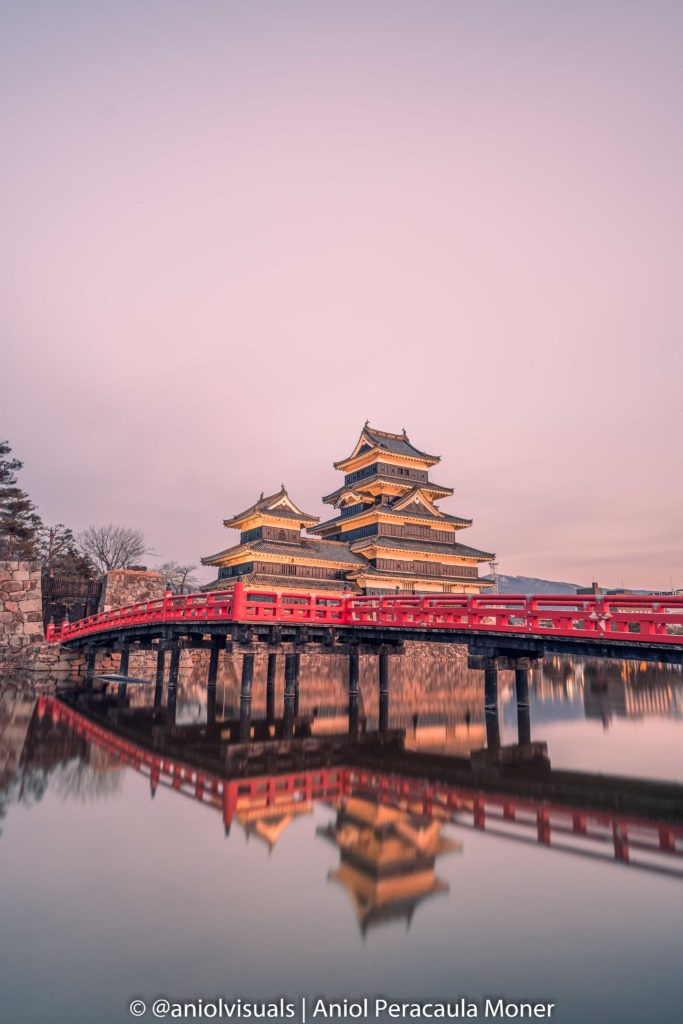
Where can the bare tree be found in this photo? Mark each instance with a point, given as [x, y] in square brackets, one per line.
[113, 546]
[181, 577]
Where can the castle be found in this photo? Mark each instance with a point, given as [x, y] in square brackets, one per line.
[388, 535]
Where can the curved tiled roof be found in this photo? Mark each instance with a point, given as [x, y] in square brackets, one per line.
[310, 550]
[389, 511]
[264, 505]
[406, 544]
[397, 444]
[426, 485]
[283, 583]
[371, 570]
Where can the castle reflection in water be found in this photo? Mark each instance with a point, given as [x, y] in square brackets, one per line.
[389, 834]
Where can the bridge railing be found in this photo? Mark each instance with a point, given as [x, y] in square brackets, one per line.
[616, 617]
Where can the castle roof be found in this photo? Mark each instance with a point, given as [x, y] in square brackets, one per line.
[405, 544]
[384, 441]
[309, 550]
[427, 485]
[278, 506]
[388, 510]
[398, 574]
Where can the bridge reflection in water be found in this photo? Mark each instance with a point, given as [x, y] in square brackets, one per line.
[391, 803]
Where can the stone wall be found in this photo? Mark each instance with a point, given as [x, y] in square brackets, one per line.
[21, 615]
[24, 654]
[130, 586]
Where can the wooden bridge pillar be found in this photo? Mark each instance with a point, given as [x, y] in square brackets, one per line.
[159, 681]
[383, 692]
[354, 692]
[291, 685]
[173, 670]
[214, 658]
[123, 670]
[297, 675]
[270, 687]
[245, 697]
[491, 707]
[90, 669]
[523, 714]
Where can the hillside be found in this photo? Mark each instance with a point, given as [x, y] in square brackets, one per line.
[531, 585]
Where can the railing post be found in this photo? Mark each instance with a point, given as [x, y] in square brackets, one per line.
[239, 603]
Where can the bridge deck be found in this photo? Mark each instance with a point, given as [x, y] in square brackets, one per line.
[649, 627]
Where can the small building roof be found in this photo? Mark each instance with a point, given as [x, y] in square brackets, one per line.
[309, 550]
[268, 581]
[278, 506]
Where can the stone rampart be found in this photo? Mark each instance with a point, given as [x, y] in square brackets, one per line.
[24, 654]
[130, 586]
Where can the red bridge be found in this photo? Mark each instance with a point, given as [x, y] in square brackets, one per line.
[622, 620]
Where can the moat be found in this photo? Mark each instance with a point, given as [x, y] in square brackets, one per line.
[124, 880]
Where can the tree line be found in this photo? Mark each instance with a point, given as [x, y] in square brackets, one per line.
[97, 549]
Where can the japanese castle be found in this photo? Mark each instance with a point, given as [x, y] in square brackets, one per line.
[388, 534]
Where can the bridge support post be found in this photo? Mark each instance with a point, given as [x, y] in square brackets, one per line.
[159, 681]
[523, 714]
[354, 692]
[245, 697]
[214, 658]
[383, 692]
[297, 674]
[173, 670]
[123, 670]
[491, 707]
[291, 684]
[90, 669]
[270, 687]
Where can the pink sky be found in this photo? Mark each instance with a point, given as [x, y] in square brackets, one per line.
[234, 231]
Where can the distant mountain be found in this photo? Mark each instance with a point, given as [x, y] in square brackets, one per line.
[531, 585]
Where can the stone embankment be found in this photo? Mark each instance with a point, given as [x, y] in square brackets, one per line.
[23, 651]
[25, 657]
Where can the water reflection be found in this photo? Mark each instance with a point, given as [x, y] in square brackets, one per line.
[158, 847]
[392, 796]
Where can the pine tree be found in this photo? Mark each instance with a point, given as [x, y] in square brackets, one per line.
[60, 556]
[19, 521]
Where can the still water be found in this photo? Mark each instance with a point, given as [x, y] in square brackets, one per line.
[117, 886]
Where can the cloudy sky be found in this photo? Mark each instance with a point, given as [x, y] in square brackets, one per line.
[232, 231]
